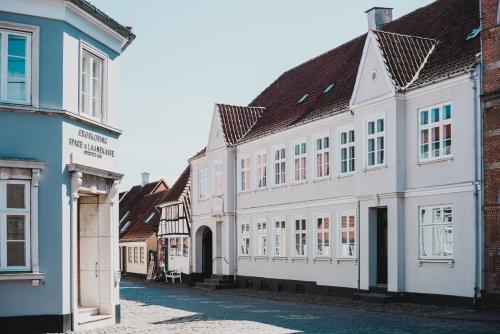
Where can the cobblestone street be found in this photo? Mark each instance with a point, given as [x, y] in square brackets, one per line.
[156, 309]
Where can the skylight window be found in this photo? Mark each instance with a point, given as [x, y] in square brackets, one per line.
[125, 227]
[473, 34]
[303, 98]
[150, 217]
[124, 216]
[329, 88]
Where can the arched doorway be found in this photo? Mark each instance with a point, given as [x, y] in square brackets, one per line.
[206, 252]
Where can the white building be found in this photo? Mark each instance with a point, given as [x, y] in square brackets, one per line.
[355, 170]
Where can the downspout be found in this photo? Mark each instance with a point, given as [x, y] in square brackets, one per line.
[235, 207]
[477, 187]
[358, 246]
[481, 157]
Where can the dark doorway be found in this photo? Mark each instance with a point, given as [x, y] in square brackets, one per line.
[381, 246]
[206, 253]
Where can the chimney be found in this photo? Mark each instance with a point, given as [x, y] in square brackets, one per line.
[378, 16]
[145, 178]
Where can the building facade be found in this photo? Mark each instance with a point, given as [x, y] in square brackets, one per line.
[174, 242]
[490, 98]
[357, 170]
[59, 109]
[139, 219]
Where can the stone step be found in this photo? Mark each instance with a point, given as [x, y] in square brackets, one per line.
[222, 277]
[87, 311]
[374, 297]
[85, 319]
[207, 286]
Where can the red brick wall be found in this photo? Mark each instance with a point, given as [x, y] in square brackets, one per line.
[490, 36]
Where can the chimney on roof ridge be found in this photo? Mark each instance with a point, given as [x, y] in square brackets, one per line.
[378, 16]
[145, 178]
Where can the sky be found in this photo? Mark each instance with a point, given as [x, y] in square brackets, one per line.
[189, 55]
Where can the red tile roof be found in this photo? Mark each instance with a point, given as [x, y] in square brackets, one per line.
[136, 206]
[404, 56]
[199, 154]
[446, 21]
[237, 120]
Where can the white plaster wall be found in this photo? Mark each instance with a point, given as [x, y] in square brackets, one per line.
[137, 267]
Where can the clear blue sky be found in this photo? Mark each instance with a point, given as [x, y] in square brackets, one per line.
[189, 55]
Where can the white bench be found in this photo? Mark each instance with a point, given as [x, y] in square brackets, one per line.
[173, 275]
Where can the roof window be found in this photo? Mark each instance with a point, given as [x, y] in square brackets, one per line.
[303, 98]
[150, 217]
[125, 227]
[473, 34]
[124, 216]
[329, 88]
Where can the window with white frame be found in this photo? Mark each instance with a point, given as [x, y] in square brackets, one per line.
[322, 157]
[130, 254]
[323, 236]
[245, 239]
[185, 246]
[300, 237]
[261, 170]
[261, 233]
[15, 66]
[436, 232]
[141, 254]
[91, 84]
[279, 166]
[218, 178]
[15, 226]
[136, 254]
[375, 148]
[347, 236]
[244, 174]
[435, 132]
[174, 246]
[300, 161]
[347, 152]
[280, 238]
[203, 184]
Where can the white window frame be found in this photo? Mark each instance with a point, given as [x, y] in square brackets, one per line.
[375, 136]
[429, 126]
[280, 172]
[326, 168]
[302, 158]
[302, 238]
[280, 232]
[136, 254]
[347, 146]
[323, 231]
[185, 246]
[141, 254]
[4, 213]
[32, 59]
[442, 244]
[261, 170]
[130, 254]
[203, 182]
[348, 229]
[244, 229]
[261, 237]
[218, 175]
[244, 172]
[86, 47]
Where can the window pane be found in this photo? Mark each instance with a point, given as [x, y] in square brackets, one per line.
[351, 136]
[17, 46]
[424, 117]
[15, 253]
[447, 139]
[15, 196]
[447, 112]
[343, 137]
[326, 142]
[380, 125]
[318, 144]
[371, 128]
[435, 115]
[15, 228]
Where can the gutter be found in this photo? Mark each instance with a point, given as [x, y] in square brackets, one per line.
[235, 206]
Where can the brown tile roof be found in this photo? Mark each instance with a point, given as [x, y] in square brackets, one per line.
[404, 56]
[199, 154]
[180, 187]
[446, 21]
[237, 120]
[136, 206]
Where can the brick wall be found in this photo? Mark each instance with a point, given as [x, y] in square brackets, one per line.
[490, 36]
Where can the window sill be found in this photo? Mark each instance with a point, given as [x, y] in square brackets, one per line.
[372, 168]
[244, 192]
[347, 259]
[278, 186]
[321, 179]
[303, 258]
[345, 175]
[450, 262]
[261, 257]
[259, 189]
[298, 183]
[245, 257]
[430, 161]
[322, 259]
[279, 258]
[21, 276]
[203, 199]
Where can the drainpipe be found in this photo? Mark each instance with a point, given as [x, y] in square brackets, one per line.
[477, 187]
[235, 206]
[358, 246]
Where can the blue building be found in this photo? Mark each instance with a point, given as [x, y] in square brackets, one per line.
[59, 108]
